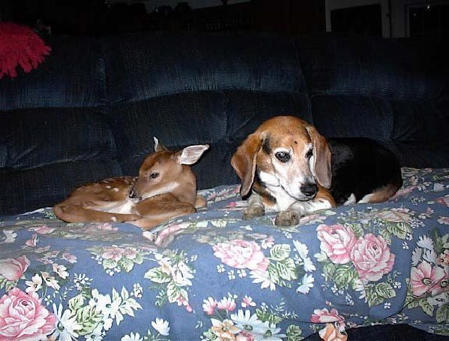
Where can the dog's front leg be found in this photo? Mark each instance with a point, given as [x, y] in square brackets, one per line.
[255, 207]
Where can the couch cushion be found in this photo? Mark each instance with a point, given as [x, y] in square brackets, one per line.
[199, 88]
[54, 134]
[394, 69]
[72, 76]
[393, 90]
[46, 152]
[24, 190]
[142, 66]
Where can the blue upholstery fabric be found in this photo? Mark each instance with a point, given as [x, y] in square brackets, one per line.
[189, 89]
[144, 66]
[72, 76]
[393, 69]
[90, 111]
[54, 134]
[393, 90]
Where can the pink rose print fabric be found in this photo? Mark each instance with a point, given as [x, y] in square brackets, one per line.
[13, 269]
[241, 254]
[213, 276]
[23, 317]
[371, 257]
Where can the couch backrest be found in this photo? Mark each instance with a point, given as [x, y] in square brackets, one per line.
[90, 111]
[54, 131]
[194, 88]
[392, 90]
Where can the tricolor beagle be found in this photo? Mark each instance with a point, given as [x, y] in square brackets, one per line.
[288, 167]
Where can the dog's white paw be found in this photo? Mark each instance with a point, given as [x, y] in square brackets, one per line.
[254, 211]
[287, 218]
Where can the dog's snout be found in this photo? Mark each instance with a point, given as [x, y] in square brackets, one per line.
[309, 189]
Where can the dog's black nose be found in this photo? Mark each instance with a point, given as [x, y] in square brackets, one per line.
[309, 189]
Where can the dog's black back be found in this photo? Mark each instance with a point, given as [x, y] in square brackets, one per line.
[361, 166]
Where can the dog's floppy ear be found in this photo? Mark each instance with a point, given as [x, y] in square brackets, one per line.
[321, 168]
[244, 161]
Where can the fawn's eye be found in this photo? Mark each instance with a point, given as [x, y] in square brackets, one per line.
[154, 175]
[309, 154]
[282, 156]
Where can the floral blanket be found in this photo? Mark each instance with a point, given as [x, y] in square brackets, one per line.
[210, 275]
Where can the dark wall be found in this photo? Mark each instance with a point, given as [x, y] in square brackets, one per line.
[290, 17]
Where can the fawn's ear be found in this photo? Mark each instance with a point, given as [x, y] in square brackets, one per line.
[191, 154]
[158, 147]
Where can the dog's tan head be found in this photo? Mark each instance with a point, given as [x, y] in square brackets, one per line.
[284, 151]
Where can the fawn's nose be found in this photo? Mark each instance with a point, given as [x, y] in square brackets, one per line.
[132, 193]
[309, 190]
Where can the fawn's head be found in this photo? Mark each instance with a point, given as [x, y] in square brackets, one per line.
[166, 171]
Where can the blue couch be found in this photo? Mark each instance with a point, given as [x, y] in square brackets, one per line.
[90, 111]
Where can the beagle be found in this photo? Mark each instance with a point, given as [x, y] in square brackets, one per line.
[286, 166]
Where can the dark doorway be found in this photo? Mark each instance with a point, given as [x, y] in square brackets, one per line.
[361, 20]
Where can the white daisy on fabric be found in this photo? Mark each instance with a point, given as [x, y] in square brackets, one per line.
[220, 268]
[359, 287]
[267, 242]
[132, 337]
[162, 326]
[50, 280]
[272, 334]
[425, 243]
[66, 326]
[416, 256]
[440, 299]
[108, 306]
[320, 257]
[100, 302]
[250, 323]
[301, 248]
[430, 256]
[263, 278]
[137, 290]
[35, 284]
[308, 265]
[61, 270]
[307, 284]
[241, 273]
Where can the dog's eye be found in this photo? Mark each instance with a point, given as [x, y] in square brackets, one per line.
[282, 156]
[154, 175]
[309, 154]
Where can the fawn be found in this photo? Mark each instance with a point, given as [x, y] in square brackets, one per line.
[165, 188]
